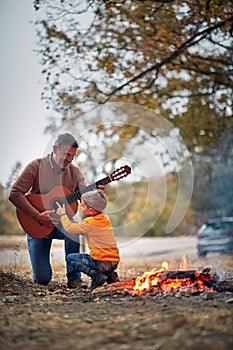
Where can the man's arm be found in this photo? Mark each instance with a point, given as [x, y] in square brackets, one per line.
[23, 185]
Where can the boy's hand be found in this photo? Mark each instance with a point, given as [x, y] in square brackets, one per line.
[61, 209]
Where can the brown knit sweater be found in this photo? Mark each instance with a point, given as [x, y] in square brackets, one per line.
[40, 177]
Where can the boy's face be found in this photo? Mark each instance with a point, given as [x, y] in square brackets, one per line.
[85, 209]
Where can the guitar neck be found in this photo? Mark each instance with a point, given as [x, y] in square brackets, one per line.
[77, 194]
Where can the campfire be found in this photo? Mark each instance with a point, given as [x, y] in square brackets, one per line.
[167, 281]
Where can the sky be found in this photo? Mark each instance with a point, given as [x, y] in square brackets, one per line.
[23, 115]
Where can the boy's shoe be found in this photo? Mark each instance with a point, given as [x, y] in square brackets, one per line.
[112, 277]
[78, 283]
[98, 280]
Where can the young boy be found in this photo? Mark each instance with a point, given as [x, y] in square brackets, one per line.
[103, 260]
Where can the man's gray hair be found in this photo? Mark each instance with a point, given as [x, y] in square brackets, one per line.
[66, 139]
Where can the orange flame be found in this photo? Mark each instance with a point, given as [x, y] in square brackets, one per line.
[161, 280]
[183, 263]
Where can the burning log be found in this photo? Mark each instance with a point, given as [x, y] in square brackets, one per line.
[192, 276]
[190, 281]
[165, 281]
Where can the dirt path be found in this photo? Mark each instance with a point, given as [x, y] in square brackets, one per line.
[13, 249]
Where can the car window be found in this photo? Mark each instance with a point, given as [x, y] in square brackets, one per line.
[216, 228]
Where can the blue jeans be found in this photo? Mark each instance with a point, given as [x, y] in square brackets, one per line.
[84, 263]
[39, 251]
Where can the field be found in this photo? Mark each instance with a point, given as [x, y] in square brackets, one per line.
[55, 317]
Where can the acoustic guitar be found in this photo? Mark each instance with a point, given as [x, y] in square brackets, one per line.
[62, 195]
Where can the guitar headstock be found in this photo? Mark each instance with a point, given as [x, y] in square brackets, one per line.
[120, 173]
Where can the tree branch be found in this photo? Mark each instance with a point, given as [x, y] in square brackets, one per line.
[190, 42]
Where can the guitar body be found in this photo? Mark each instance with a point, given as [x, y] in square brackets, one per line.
[44, 202]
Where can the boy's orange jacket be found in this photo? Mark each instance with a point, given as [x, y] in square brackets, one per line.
[99, 233]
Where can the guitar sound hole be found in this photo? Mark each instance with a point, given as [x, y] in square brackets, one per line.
[54, 204]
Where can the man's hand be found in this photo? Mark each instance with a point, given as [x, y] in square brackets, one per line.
[61, 209]
[46, 218]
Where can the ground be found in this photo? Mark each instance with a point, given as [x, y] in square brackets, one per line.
[55, 317]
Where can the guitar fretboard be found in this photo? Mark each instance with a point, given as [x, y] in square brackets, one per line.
[77, 194]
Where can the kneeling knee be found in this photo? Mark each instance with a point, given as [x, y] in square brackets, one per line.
[44, 281]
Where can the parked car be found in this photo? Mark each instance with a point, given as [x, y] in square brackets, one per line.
[216, 235]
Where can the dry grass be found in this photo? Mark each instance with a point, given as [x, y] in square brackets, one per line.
[54, 317]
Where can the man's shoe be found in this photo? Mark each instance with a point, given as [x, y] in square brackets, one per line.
[78, 283]
[112, 277]
[98, 280]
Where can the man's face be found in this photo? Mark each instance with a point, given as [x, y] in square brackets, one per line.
[64, 155]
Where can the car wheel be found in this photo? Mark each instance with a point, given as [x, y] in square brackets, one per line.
[201, 254]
